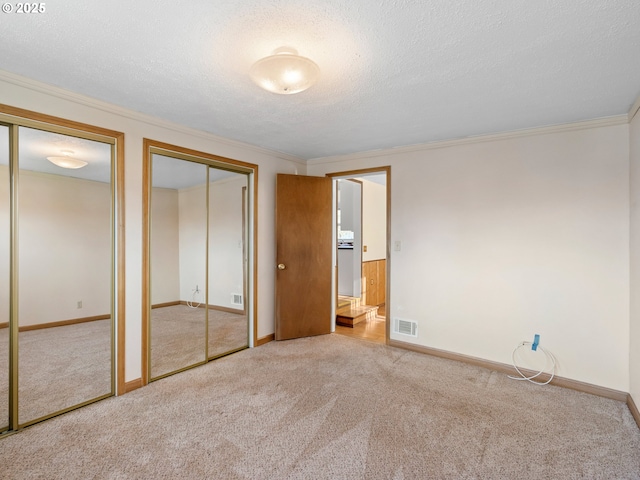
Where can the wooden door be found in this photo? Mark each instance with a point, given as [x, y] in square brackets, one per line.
[374, 274]
[303, 256]
[370, 280]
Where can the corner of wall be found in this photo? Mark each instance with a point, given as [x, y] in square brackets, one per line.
[635, 108]
[634, 267]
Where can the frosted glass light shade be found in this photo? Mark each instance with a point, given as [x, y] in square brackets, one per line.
[285, 72]
[67, 161]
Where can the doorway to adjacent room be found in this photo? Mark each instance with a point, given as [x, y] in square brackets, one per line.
[307, 273]
[361, 236]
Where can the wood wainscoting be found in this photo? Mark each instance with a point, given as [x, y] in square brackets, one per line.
[374, 285]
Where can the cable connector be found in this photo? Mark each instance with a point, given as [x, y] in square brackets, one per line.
[550, 363]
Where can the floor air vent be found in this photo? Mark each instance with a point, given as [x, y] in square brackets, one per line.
[405, 327]
[236, 299]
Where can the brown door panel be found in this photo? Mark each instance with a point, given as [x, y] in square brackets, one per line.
[303, 256]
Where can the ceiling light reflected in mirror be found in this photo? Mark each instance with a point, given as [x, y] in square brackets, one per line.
[66, 160]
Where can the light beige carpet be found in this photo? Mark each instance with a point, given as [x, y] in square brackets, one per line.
[64, 366]
[60, 367]
[332, 407]
[178, 336]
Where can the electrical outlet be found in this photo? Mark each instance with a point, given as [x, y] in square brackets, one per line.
[80, 304]
[397, 246]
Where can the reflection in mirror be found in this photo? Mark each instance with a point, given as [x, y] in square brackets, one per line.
[64, 273]
[228, 325]
[178, 264]
[4, 277]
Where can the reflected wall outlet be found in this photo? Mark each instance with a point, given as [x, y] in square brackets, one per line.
[80, 304]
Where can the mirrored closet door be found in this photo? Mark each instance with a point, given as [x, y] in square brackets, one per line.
[178, 245]
[57, 204]
[5, 252]
[198, 237]
[65, 272]
[228, 326]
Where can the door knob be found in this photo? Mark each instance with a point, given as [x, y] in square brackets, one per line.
[281, 266]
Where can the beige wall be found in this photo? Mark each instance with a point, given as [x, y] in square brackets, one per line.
[374, 220]
[165, 274]
[178, 241]
[193, 240]
[64, 227]
[506, 238]
[225, 241]
[634, 346]
[225, 235]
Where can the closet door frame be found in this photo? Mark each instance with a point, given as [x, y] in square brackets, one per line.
[151, 147]
[14, 118]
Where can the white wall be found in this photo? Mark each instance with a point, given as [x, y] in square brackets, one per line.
[506, 238]
[634, 347]
[374, 220]
[193, 241]
[225, 241]
[64, 239]
[165, 274]
[179, 236]
[31, 95]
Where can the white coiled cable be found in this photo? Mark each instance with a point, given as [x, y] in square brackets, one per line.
[551, 360]
[193, 303]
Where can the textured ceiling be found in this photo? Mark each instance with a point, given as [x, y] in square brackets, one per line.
[394, 73]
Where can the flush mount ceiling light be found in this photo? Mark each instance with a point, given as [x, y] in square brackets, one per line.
[285, 72]
[67, 161]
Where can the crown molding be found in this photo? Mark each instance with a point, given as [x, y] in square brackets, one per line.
[529, 132]
[84, 100]
[635, 108]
